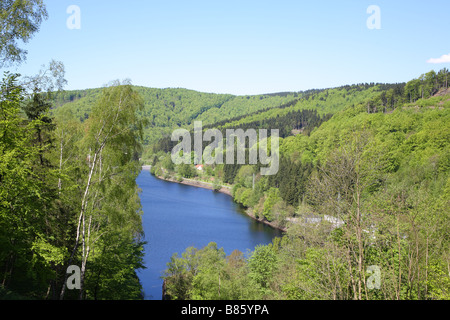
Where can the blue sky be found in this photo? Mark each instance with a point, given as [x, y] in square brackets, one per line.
[241, 47]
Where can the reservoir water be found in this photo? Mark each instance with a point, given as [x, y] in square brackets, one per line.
[177, 216]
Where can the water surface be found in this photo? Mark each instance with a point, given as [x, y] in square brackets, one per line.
[177, 216]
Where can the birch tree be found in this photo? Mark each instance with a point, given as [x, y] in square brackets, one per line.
[110, 145]
[19, 21]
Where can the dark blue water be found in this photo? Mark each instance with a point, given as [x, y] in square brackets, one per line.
[177, 216]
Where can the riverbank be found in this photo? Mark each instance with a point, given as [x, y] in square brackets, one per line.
[191, 182]
[177, 217]
[226, 190]
[198, 184]
[249, 212]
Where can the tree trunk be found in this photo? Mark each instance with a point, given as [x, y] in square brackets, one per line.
[60, 163]
[399, 261]
[426, 270]
[81, 221]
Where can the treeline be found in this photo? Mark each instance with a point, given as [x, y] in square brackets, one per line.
[68, 196]
[226, 122]
[423, 87]
[64, 97]
[324, 102]
[296, 120]
[321, 95]
[170, 108]
[167, 109]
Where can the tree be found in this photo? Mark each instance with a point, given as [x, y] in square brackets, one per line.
[412, 90]
[19, 20]
[186, 170]
[24, 194]
[240, 285]
[179, 274]
[443, 77]
[111, 145]
[340, 189]
[273, 196]
[262, 264]
[431, 84]
[210, 281]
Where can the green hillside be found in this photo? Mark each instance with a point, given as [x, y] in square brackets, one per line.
[355, 179]
[172, 108]
[370, 162]
[167, 109]
[376, 176]
[303, 114]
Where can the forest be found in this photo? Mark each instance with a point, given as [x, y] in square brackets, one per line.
[68, 192]
[69, 196]
[362, 197]
[170, 108]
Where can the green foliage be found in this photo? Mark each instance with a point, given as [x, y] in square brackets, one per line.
[186, 171]
[46, 165]
[169, 109]
[179, 274]
[217, 185]
[167, 163]
[262, 264]
[245, 176]
[273, 197]
[208, 274]
[19, 21]
[381, 166]
[25, 193]
[243, 196]
[439, 281]
[113, 275]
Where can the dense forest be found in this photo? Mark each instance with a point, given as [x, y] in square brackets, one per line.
[68, 193]
[167, 109]
[69, 196]
[363, 199]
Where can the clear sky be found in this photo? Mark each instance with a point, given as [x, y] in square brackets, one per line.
[242, 47]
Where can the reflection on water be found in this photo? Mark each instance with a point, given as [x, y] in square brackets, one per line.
[177, 216]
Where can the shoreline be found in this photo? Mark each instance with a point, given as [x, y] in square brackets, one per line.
[249, 212]
[198, 184]
[224, 190]
[193, 183]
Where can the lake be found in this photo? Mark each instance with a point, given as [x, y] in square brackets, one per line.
[178, 216]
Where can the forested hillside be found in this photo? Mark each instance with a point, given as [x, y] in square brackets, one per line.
[303, 114]
[168, 109]
[366, 191]
[361, 194]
